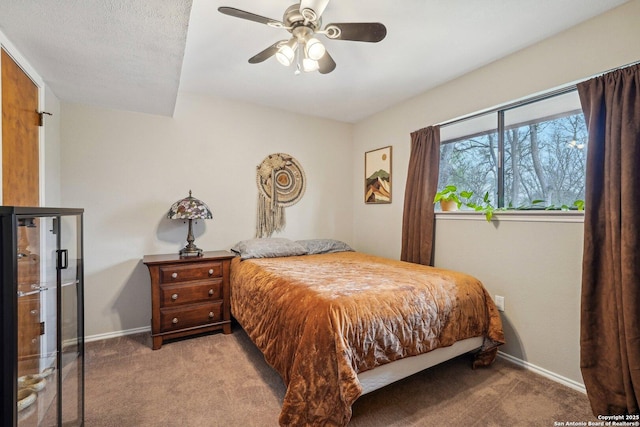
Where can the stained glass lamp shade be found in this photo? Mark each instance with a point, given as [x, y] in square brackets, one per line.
[189, 209]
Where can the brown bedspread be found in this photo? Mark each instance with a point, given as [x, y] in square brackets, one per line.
[321, 319]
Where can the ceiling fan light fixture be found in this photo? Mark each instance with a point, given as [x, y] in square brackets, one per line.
[309, 65]
[287, 52]
[314, 49]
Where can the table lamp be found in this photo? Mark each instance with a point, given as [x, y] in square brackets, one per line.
[189, 208]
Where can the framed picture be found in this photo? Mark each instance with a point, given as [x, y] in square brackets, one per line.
[377, 176]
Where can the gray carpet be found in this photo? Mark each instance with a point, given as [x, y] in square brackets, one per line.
[223, 380]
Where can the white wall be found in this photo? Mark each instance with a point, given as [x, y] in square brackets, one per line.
[600, 44]
[126, 169]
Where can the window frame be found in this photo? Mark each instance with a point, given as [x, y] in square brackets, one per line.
[500, 129]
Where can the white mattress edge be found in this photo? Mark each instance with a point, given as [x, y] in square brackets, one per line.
[391, 372]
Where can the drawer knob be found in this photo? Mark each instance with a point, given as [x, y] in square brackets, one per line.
[210, 271]
[210, 292]
[174, 320]
[211, 315]
[33, 312]
[174, 275]
[174, 297]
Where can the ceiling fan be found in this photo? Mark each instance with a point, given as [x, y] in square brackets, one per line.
[304, 22]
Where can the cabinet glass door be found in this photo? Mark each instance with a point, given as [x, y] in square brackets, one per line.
[71, 325]
[37, 322]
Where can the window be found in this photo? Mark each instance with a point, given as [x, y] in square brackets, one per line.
[528, 155]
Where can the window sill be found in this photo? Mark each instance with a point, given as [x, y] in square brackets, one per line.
[517, 216]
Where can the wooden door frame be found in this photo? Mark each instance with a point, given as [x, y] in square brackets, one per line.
[21, 61]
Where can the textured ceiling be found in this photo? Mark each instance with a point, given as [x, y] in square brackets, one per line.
[122, 54]
[128, 54]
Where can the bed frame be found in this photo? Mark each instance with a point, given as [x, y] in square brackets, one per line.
[391, 372]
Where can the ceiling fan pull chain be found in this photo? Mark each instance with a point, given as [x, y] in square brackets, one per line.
[298, 61]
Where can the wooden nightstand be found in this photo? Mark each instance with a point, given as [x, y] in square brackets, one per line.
[189, 295]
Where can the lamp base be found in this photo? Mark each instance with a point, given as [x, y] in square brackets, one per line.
[191, 249]
[190, 252]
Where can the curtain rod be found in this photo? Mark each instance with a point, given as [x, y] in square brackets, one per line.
[560, 91]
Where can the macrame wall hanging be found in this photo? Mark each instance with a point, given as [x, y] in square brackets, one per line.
[281, 183]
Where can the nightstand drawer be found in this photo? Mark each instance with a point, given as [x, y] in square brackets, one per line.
[172, 295]
[185, 273]
[187, 317]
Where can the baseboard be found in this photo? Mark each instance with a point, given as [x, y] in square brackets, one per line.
[116, 334]
[545, 373]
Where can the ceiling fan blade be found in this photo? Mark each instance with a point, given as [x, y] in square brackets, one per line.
[326, 64]
[357, 31]
[318, 6]
[237, 13]
[267, 53]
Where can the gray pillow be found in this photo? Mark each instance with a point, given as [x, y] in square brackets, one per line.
[268, 248]
[324, 246]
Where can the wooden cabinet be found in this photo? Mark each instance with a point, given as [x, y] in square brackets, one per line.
[189, 295]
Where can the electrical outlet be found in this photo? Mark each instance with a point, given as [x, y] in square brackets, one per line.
[499, 299]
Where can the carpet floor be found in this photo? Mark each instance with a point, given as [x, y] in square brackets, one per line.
[223, 380]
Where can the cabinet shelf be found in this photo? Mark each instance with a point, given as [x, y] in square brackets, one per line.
[37, 288]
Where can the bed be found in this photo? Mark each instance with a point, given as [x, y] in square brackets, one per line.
[336, 323]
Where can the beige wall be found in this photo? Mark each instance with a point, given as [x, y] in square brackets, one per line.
[126, 169]
[509, 258]
[534, 262]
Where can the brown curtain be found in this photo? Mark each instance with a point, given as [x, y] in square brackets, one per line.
[418, 218]
[610, 312]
